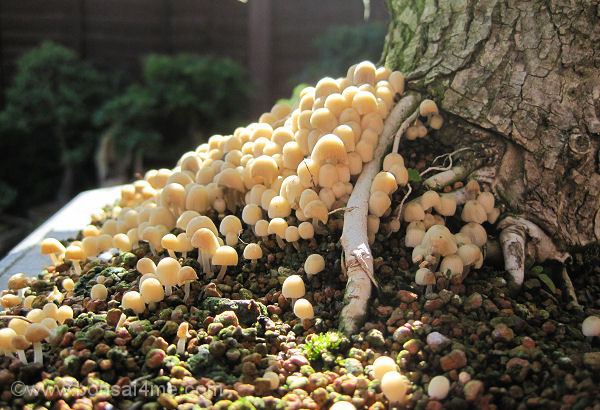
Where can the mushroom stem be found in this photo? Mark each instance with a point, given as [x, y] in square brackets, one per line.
[22, 357]
[221, 274]
[295, 244]
[38, 356]
[184, 254]
[203, 258]
[77, 267]
[171, 253]
[54, 258]
[186, 289]
[168, 290]
[280, 241]
[318, 227]
[181, 345]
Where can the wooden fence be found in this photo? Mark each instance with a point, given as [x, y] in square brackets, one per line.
[273, 39]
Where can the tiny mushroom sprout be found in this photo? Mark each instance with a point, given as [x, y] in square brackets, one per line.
[170, 242]
[35, 333]
[99, 291]
[591, 326]
[206, 241]
[167, 271]
[182, 335]
[314, 264]
[19, 282]
[304, 309]
[145, 265]
[224, 256]
[52, 247]
[64, 312]
[253, 252]
[152, 290]
[230, 227]
[425, 277]
[75, 254]
[69, 286]
[185, 277]
[382, 365]
[293, 288]
[6, 336]
[439, 387]
[133, 300]
[394, 387]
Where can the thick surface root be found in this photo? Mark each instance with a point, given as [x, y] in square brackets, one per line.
[359, 260]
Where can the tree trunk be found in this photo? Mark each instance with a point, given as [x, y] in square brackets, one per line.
[519, 81]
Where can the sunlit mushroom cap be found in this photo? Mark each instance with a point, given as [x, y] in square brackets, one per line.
[393, 386]
[186, 274]
[133, 300]
[314, 264]
[317, 210]
[36, 332]
[253, 251]
[452, 263]
[424, 277]
[591, 326]
[145, 265]
[230, 178]
[473, 211]
[304, 309]
[230, 224]
[225, 256]
[439, 386]
[384, 181]
[52, 245]
[413, 211]
[379, 203]
[382, 365]
[329, 148]
[152, 290]
[205, 240]
[182, 330]
[167, 271]
[293, 287]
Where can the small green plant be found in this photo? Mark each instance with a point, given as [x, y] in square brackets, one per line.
[538, 271]
[317, 344]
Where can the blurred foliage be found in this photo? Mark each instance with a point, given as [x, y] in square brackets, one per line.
[183, 99]
[46, 130]
[342, 46]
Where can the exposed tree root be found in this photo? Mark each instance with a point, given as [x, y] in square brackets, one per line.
[513, 239]
[359, 260]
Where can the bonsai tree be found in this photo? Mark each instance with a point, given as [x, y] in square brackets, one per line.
[182, 99]
[48, 113]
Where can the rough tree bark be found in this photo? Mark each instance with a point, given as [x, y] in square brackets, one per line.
[519, 81]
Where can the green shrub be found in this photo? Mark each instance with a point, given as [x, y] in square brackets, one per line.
[47, 136]
[182, 100]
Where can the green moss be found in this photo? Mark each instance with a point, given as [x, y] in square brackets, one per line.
[317, 344]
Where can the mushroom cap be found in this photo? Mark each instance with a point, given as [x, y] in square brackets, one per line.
[384, 181]
[277, 226]
[50, 310]
[122, 242]
[185, 218]
[162, 216]
[364, 73]
[439, 386]
[35, 315]
[133, 300]
[306, 230]
[424, 277]
[231, 178]
[36, 332]
[64, 312]
[18, 281]
[487, 200]
[182, 330]
[393, 386]
[382, 365]
[293, 287]
[314, 264]
[225, 256]
[413, 211]
[145, 265]
[470, 254]
[265, 199]
[308, 172]
[292, 234]
[51, 245]
[400, 173]
[379, 202]
[50, 323]
[173, 194]
[195, 201]
[199, 222]
[251, 214]
[307, 196]
[427, 108]
[329, 148]
[19, 342]
[9, 300]
[317, 210]
[591, 326]
[230, 224]
[99, 291]
[206, 240]
[253, 251]
[74, 253]
[18, 325]
[430, 199]
[264, 169]
[169, 241]
[342, 405]
[447, 205]
[452, 263]
[476, 232]
[261, 227]
[304, 309]
[186, 274]
[279, 207]
[6, 336]
[473, 211]
[413, 237]
[167, 271]
[152, 290]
